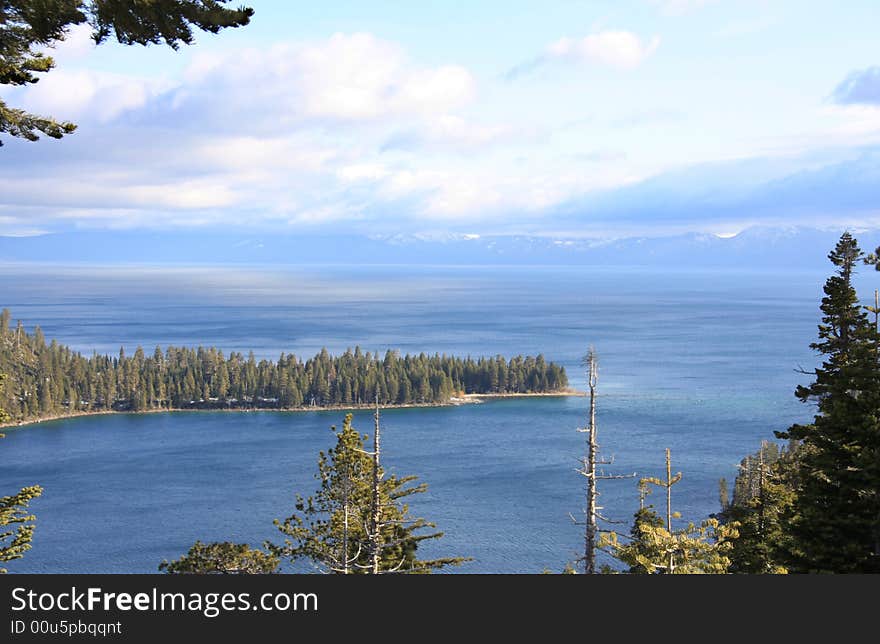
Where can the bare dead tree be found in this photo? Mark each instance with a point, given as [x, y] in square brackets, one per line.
[761, 475]
[374, 532]
[588, 470]
[346, 512]
[875, 310]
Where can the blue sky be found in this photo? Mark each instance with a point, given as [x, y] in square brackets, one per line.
[583, 119]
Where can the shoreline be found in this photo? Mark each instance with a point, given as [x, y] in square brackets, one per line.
[467, 399]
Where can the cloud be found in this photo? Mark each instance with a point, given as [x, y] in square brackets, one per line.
[296, 133]
[622, 49]
[736, 194]
[347, 78]
[77, 43]
[360, 76]
[861, 87]
[85, 95]
[351, 132]
[362, 172]
[449, 132]
[290, 133]
[612, 48]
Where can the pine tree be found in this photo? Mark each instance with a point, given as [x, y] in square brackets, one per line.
[26, 27]
[703, 549]
[764, 491]
[654, 547]
[835, 520]
[15, 541]
[642, 549]
[336, 528]
[223, 558]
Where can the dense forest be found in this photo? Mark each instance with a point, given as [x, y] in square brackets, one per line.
[49, 378]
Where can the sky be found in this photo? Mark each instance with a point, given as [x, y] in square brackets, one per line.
[553, 118]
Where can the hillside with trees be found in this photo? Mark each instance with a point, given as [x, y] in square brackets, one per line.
[47, 378]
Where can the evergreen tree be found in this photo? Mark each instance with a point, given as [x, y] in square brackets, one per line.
[654, 547]
[27, 26]
[834, 523]
[332, 528]
[642, 549]
[703, 549]
[53, 379]
[222, 558]
[15, 541]
[764, 491]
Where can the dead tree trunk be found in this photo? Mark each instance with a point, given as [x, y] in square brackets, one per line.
[588, 469]
[668, 483]
[375, 506]
[875, 309]
[346, 564]
[761, 491]
[668, 491]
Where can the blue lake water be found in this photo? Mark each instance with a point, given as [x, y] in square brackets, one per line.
[702, 363]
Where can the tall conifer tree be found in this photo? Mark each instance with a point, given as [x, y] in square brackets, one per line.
[835, 520]
[334, 527]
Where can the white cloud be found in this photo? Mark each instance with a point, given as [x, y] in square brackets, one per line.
[85, 95]
[114, 188]
[241, 153]
[463, 198]
[195, 194]
[859, 123]
[355, 77]
[434, 90]
[837, 127]
[78, 43]
[323, 215]
[362, 172]
[258, 94]
[620, 49]
[294, 134]
[18, 227]
[456, 130]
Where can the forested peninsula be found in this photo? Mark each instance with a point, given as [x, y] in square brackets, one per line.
[49, 379]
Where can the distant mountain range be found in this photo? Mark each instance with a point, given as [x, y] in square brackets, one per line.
[753, 248]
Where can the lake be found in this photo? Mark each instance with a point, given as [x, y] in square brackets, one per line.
[704, 363]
